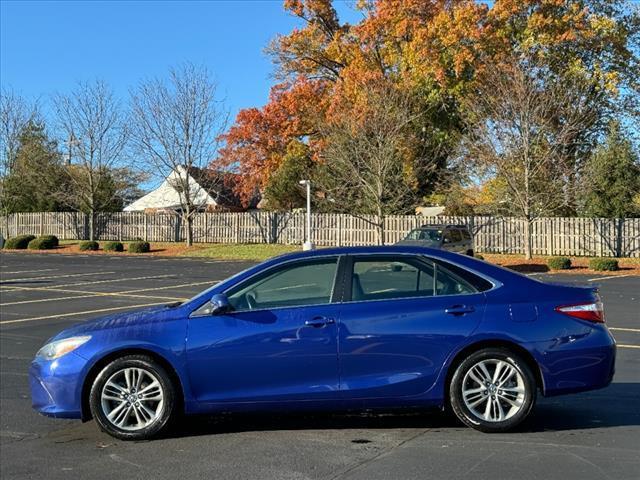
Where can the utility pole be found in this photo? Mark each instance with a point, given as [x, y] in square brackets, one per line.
[308, 245]
[71, 142]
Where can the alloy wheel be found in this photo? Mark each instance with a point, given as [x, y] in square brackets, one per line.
[132, 399]
[493, 390]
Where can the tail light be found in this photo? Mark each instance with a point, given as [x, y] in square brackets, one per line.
[592, 312]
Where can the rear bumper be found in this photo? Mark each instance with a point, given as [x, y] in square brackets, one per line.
[571, 364]
[55, 386]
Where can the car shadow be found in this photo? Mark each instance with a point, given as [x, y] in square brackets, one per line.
[528, 268]
[614, 406]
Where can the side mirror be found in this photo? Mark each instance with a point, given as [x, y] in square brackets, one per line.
[219, 304]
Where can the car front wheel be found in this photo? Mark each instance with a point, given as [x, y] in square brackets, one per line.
[492, 390]
[132, 398]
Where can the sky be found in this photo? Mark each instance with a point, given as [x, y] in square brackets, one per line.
[46, 47]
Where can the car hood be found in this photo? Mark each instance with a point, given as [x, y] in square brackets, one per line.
[134, 318]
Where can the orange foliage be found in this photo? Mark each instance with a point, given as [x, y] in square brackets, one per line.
[432, 48]
[257, 142]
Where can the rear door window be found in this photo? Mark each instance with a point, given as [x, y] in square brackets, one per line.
[388, 278]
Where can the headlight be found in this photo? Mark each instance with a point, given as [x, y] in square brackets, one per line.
[59, 348]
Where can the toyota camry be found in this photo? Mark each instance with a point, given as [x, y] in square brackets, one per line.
[334, 329]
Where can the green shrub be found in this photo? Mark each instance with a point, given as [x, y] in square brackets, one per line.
[88, 245]
[559, 263]
[18, 243]
[46, 242]
[478, 256]
[113, 247]
[604, 264]
[52, 239]
[139, 247]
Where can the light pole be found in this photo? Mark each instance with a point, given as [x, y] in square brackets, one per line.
[308, 245]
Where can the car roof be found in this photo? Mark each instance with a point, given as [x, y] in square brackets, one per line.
[360, 251]
[440, 225]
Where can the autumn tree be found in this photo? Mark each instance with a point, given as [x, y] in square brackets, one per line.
[176, 125]
[256, 145]
[436, 52]
[325, 62]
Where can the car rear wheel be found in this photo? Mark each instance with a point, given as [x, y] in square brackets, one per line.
[132, 398]
[492, 390]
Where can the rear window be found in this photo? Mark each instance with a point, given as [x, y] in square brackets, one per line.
[425, 234]
[456, 236]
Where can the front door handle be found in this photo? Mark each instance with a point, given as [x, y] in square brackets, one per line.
[318, 322]
[458, 310]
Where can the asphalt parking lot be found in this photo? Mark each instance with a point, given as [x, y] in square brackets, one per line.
[587, 436]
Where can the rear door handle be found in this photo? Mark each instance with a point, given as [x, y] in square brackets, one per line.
[318, 322]
[458, 310]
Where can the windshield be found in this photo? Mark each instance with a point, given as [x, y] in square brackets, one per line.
[428, 235]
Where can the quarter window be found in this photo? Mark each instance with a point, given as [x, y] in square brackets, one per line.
[305, 283]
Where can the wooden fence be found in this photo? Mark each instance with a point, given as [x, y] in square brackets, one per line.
[551, 236]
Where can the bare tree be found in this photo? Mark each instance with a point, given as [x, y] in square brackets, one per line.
[525, 127]
[369, 160]
[176, 125]
[95, 128]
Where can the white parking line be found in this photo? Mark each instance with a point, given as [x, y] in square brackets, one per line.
[87, 312]
[57, 276]
[86, 294]
[609, 277]
[170, 287]
[620, 329]
[619, 345]
[29, 271]
[13, 287]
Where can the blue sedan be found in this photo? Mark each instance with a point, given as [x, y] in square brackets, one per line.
[334, 329]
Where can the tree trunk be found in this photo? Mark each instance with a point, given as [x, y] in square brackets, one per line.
[527, 239]
[189, 232]
[380, 228]
[92, 225]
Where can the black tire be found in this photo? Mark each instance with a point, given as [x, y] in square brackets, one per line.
[462, 375]
[470, 253]
[168, 393]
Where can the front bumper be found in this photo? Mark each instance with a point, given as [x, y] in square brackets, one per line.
[56, 386]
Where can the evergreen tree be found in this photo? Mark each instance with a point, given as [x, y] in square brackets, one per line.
[283, 191]
[36, 179]
[611, 181]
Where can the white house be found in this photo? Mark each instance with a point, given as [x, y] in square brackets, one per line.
[208, 193]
